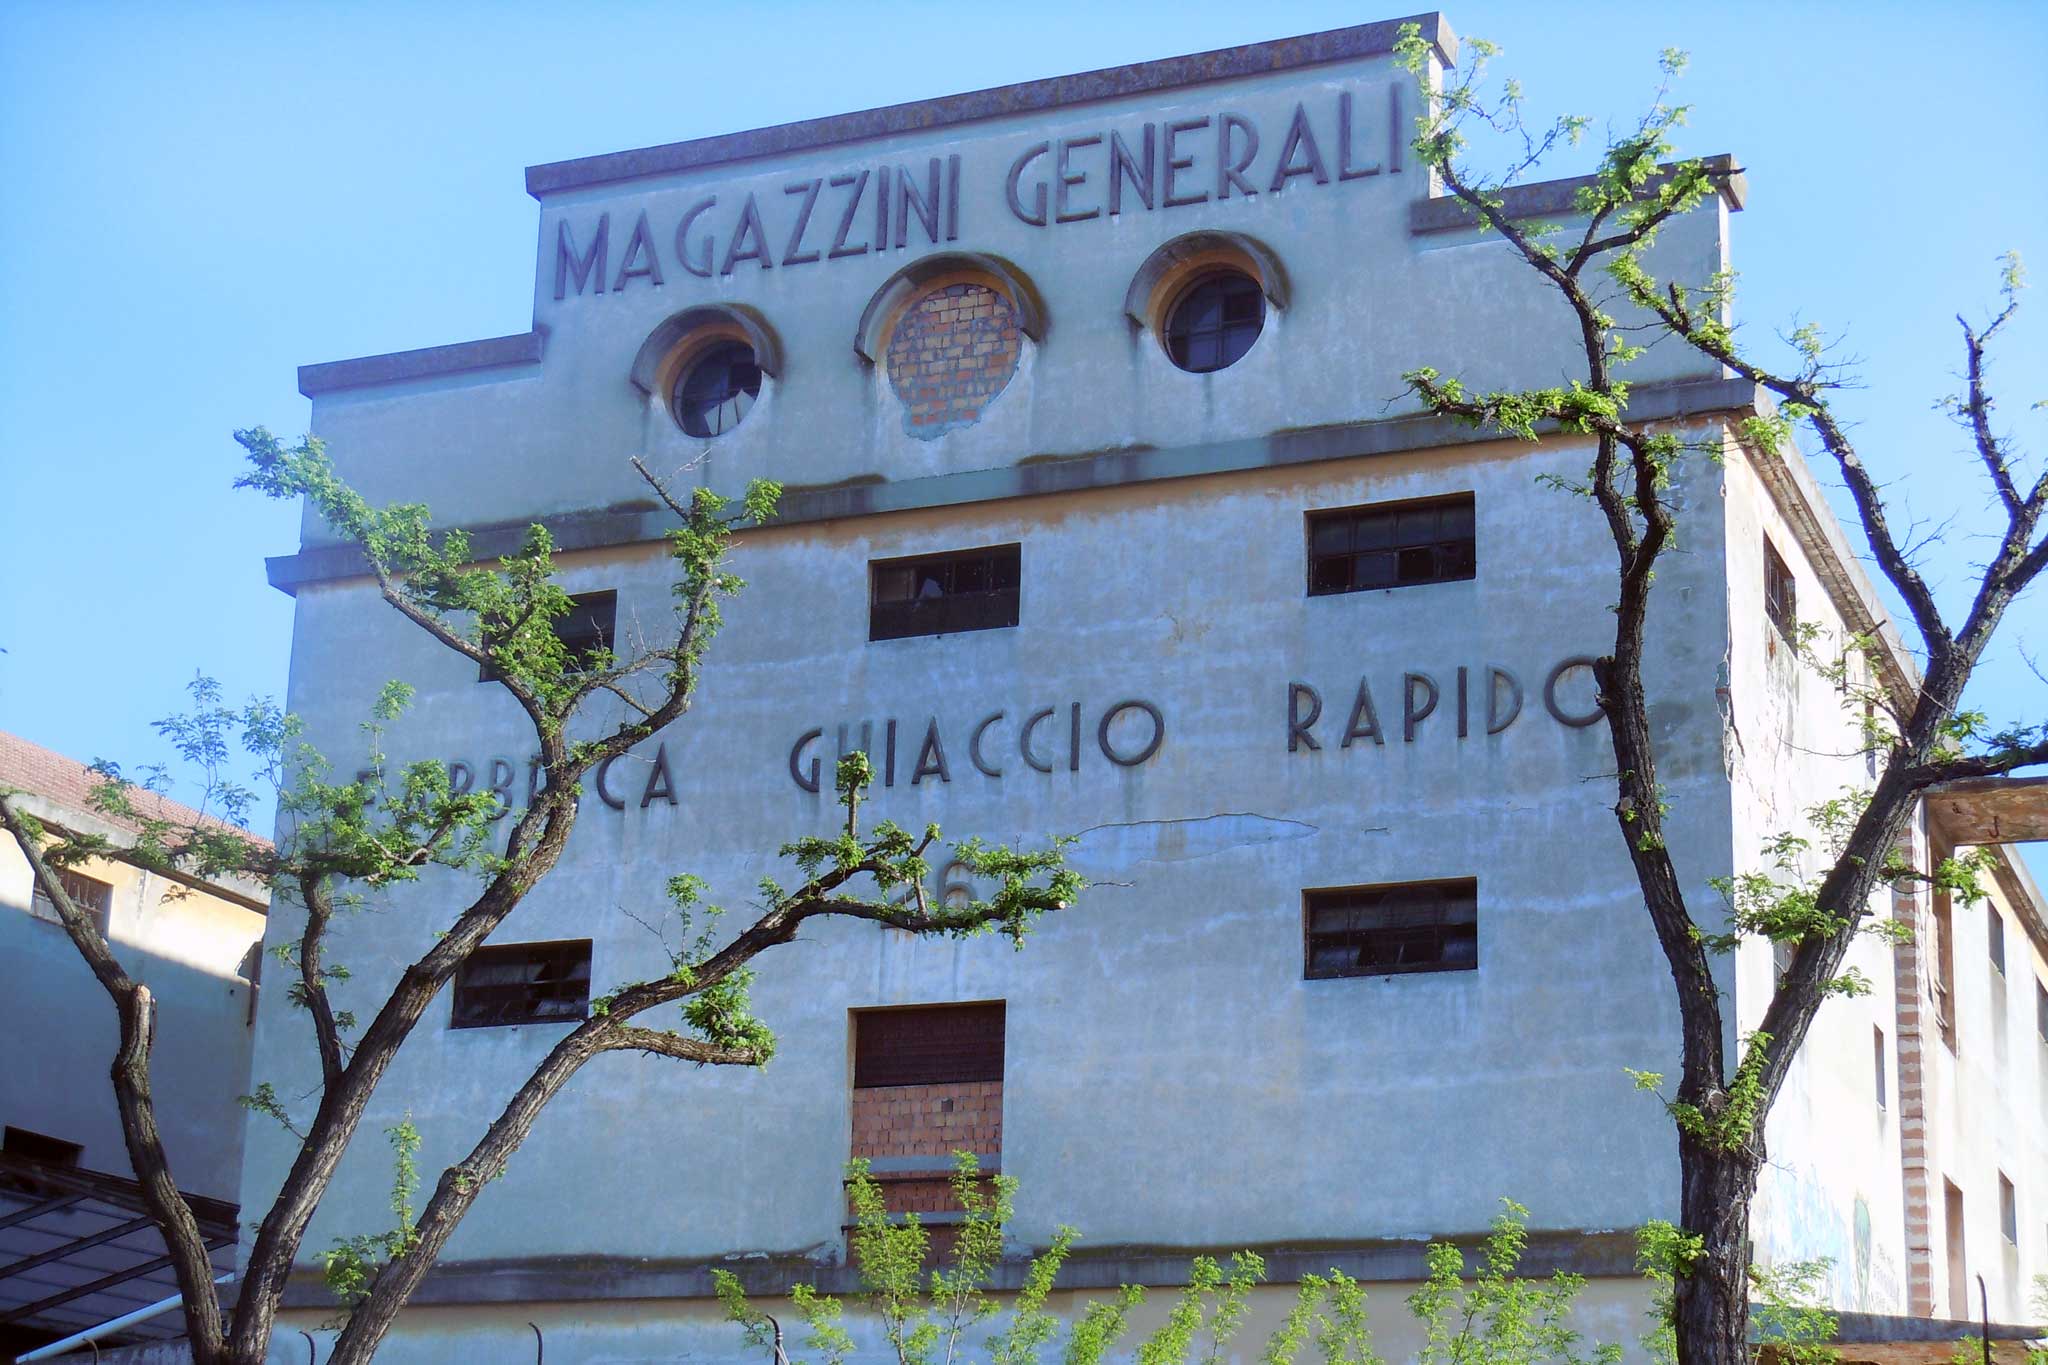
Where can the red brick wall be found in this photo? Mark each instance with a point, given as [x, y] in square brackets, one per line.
[929, 1120]
[952, 352]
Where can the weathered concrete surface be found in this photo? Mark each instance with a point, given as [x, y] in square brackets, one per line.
[1171, 1082]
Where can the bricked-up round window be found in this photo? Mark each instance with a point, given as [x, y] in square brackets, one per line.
[1215, 321]
[950, 355]
[717, 388]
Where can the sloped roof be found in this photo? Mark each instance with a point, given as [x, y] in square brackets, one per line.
[68, 783]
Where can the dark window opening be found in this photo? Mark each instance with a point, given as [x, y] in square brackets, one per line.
[587, 630]
[1382, 930]
[1997, 939]
[716, 391]
[1215, 321]
[2008, 1210]
[1395, 545]
[31, 1146]
[928, 1045]
[2041, 1010]
[1877, 1042]
[1781, 593]
[90, 894]
[523, 983]
[944, 594]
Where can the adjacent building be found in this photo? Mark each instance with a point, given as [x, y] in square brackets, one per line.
[76, 1245]
[1105, 517]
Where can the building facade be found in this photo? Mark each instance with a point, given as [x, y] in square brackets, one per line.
[1104, 518]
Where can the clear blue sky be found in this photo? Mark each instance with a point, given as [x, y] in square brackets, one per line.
[200, 197]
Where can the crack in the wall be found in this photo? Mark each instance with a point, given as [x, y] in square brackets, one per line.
[1123, 843]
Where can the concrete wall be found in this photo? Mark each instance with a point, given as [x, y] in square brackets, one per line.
[190, 949]
[1169, 1073]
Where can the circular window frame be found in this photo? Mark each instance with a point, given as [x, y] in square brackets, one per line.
[1177, 266]
[1179, 297]
[681, 341]
[692, 351]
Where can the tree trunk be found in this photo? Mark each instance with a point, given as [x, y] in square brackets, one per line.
[1711, 1303]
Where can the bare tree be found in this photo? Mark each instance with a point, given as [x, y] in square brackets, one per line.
[1598, 263]
[340, 840]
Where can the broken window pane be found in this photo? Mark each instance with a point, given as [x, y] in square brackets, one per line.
[1385, 930]
[523, 983]
[1357, 549]
[945, 594]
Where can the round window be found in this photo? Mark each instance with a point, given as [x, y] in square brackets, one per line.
[717, 388]
[1215, 321]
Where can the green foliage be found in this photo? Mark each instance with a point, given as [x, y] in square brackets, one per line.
[1211, 1306]
[1101, 1326]
[1784, 905]
[1790, 1315]
[925, 1312]
[1790, 1318]
[505, 616]
[1496, 1317]
[263, 1100]
[1665, 1254]
[352, 1263]
[1729, 1122]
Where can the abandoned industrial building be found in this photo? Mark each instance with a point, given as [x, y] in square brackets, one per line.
[1100, 521]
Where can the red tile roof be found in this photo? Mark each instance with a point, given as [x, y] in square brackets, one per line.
[69, 783]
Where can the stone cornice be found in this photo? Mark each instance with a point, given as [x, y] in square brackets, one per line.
[631, 524]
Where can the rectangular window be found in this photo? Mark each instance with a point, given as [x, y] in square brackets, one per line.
[1958, 1264]
[588, 628]
[39, 1147]
[2008, 1210]
[928, 1045]
[1391, 545]
[1997, 927]
[2041, 1010]
[1942, 975]
[1382, 930]
[93, 896]
[523, 983]
[1877, 1052]
[944, 594]
[1781, 591]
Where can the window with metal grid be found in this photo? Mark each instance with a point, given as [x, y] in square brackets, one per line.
[1781, 592]
[944, 594]
[589, 628]
[1394, 545]
[1215, 321]
[928, 1045]
[89, 894]
[523, 983]
[1384, 930]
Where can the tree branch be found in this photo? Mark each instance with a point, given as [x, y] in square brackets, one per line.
[319, 910]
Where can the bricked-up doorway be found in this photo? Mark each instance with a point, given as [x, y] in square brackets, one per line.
[927, 1081]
